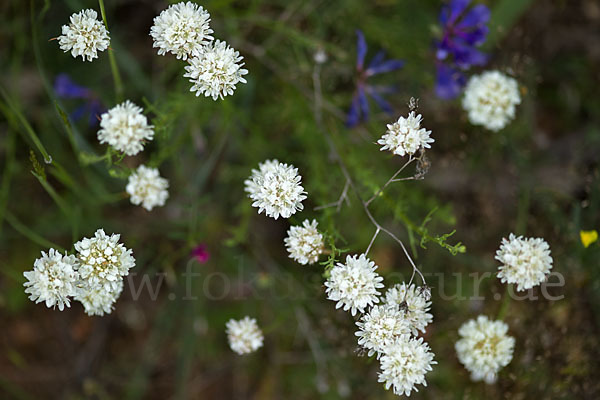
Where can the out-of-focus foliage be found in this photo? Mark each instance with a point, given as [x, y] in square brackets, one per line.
[539, 176]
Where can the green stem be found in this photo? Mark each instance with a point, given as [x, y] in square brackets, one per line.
[7, 175]
[55, 196]
[113, 61]
[29, 234]
[504, 306]
[69, 130]
[32, 135]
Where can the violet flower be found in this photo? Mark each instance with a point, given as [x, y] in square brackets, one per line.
[359, 109]
[462, 32]
[66, 88]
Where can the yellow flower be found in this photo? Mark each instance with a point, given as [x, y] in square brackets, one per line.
[588, 237]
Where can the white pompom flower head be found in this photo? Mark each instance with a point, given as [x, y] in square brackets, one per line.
[103, 260]
[125, 128]
[304, 243]
[85, 36]
[404, 365]
[147, 187]
[380, 327]
[484, 348]
[216, 71]
[526, 262]
[182, 29]
[490, 100]
[53, 279]
[244, 335]
[103, 263]
[354, 285]
[413, 304]
[406, 136]
[276, 189]
[99, 299]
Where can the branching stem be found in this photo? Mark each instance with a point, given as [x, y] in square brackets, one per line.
[319, 121]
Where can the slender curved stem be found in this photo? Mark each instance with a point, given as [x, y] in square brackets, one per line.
[372, 240]
[392, 179]
[113, 61]
[342, 165]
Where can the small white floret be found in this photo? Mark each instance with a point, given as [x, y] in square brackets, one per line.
[244, 335]
[182, 29]
[413, 303]
[216, 71]
[53, 279]
[147, 187]
[276, 189]
[85, 36]
[484, 348]
[406, 136]
[354, 285]
[490, 99]
[380, 327]
[125, 128]
[304, 243]
[103, 260]
[404, 365]
[99, 299]
[525, 262]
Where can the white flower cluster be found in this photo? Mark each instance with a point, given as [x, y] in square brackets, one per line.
[405, 363]
[125, 128]
[525, 262]
[85, 36]
[388, 330]
[53, 279]
[244, 335]
[385, 330]
[304, 243]
[217, 71]
[214, 68]
[484, 348]
[94, 276]
[147, 187]
[182, 29]
[414, 305]
[354, 285]
[276, 189]
[99, 300]
[380, 327]
[490, 99]
[406, 136]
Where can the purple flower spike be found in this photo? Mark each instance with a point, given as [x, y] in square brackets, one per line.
[359, 109]
[463, 31]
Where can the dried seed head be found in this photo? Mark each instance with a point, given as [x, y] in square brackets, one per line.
[413, 104]
[425, 291]
[423, 165]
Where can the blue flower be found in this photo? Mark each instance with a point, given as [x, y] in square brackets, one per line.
[462, 32]
[359, 109]
[67, 89]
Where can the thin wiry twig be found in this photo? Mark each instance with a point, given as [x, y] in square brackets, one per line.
[338, 204]
[319, 121]
[392, 179]
[372, 240]
[307, 331]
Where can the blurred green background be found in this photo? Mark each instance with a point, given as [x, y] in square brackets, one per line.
[539, 177]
